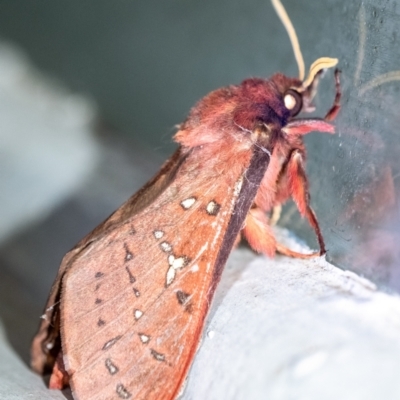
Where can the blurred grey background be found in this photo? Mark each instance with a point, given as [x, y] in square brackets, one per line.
[131, 70]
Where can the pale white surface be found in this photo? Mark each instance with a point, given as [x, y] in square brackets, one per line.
[17, 381]
[280, 329]
[46, 147]
[290, 329]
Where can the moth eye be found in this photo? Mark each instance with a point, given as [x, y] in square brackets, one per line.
[293, 102]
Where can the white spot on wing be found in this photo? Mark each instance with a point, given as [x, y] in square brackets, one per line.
[212, 208]
[165, 246]
[144, 338]
[179, 262]
[158, 234]
[122, 392]
[138, 314]
[112, 369]
[194, 268]
[170, 276]
[157, 356]
[187, 203]
[171, 260]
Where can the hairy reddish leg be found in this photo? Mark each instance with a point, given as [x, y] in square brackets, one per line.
[334, 110]
[276, 214]
[257, 229]
[297, 176]
[258, 233]
[299, 190]
[59, 378]
[260, 237]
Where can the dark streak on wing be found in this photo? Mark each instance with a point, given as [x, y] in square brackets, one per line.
[128, 254]
[132, 279]
[158, 356]
[122, 392]
[184, 300]
[111, 342]
[182, 297]
[111, 367]
[251, 182]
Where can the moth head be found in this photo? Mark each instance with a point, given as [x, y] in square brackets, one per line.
[308, 87]
[298, 93]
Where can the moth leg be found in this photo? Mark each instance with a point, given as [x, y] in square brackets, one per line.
[285, 251]
[299, 189]
[276, 214]
[258, 233]
[59, 377]
[334, 110]
[261, 239]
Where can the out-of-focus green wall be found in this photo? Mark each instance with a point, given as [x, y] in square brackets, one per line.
[147, 62]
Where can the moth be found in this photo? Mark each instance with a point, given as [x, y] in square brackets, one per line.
[126, 312]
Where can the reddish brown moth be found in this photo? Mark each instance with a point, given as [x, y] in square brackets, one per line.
[126, 312]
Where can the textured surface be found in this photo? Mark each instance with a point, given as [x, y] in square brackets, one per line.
[280, 329]
[298, 330]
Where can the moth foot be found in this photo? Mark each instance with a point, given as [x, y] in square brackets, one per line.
[294, 254]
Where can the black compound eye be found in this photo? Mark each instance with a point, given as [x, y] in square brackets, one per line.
[293, 102]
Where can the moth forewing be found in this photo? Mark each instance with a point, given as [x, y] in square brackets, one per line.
[100, 297]
[46, 343]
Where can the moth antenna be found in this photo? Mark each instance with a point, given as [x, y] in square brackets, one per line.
[380, 80]
[282, 14]
[316, 67]
[362, 36]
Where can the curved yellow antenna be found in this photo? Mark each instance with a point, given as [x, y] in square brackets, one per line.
[282, 14]
[379, 80]
[316, 67]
